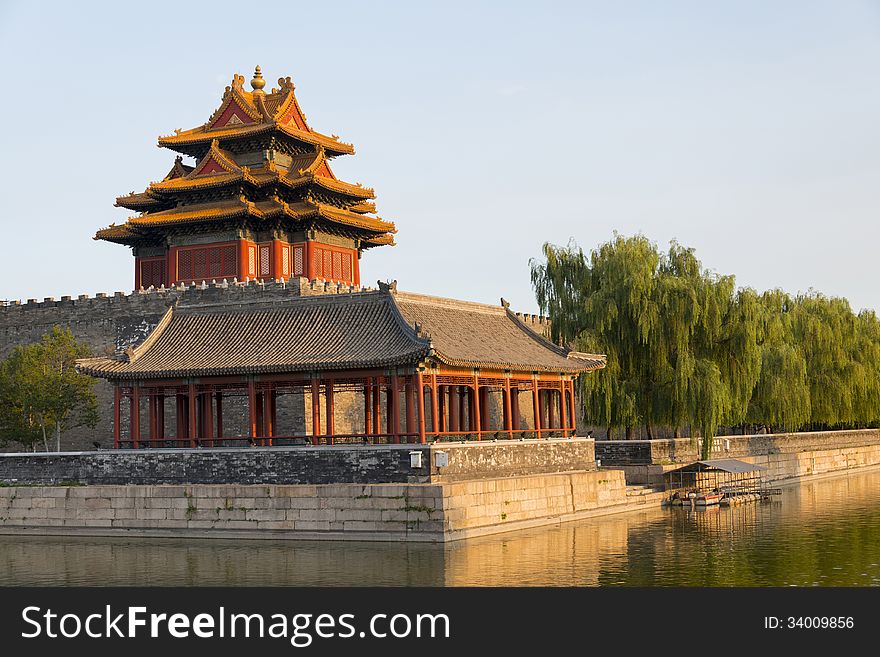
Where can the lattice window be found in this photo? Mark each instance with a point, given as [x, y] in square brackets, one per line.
[318, 264]
[152, 273]
[346, 267]
[230, 262]
[327, 265]
[200, 261]
[185, 265]
[252, 257]
[337, 265]
[285, 260]
[298, 261]
[264, 261]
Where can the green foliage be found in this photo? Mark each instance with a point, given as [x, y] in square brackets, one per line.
[41, 393]
[685, 347]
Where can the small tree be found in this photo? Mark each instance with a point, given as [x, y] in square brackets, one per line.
[43, 393]
[19, 415]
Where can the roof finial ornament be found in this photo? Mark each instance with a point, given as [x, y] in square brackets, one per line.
[258, 82]
[389, 286]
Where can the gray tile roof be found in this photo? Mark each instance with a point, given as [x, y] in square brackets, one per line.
[337, 332]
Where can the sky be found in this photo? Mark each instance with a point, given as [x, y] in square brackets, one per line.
[747, 130]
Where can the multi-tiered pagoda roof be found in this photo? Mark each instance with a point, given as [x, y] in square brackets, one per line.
[258, 165]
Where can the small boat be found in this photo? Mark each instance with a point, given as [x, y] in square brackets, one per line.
[708, 499]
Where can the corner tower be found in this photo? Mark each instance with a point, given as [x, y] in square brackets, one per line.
[259, 200]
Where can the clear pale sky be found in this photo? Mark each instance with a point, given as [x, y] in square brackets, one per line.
[748, 130]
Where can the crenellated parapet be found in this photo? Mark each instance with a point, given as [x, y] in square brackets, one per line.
[538, 323]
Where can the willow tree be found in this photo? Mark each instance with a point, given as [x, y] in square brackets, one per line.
[680, 347]
[781, 396]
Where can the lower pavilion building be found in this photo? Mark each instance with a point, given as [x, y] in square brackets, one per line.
[260, 203]
[411, 368]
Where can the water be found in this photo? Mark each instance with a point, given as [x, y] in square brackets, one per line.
[820, 533]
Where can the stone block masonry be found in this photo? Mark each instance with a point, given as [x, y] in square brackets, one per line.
[784, 455]
[383, 512]
[339, 464]
[365, 492]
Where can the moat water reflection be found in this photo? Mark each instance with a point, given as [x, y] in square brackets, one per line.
[820, 533]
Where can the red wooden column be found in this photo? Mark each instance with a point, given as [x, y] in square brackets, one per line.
[377, 411]
[160, 416]
[442, 392]
[218, 404]
[208, 418]
[180, 419]
[573, 410]
[508, 421]
[268, 420]
[462, 407]
[117, 415]
[454, 404]
[261, 417]
[330, 410]
[394, 420]
[410, 408]
[252, 410]
[368, 406]
[277, 260]
[151, 411]
[477, 410]
[435, 421]
[135, 415]
[420, 406]
[310, 260]
[243, 272]
[316, 410]
[536, 402]
[563, 420]
[192, 415]
[273, 411]
[514, 407]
